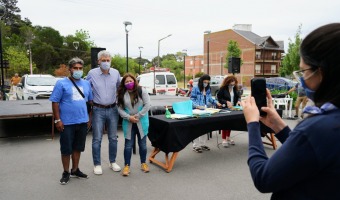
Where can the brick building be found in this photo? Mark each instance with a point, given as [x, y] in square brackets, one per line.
[261, 56]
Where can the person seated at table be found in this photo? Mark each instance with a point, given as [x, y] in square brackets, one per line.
[228, 96]
[133, 106]
[201, 98]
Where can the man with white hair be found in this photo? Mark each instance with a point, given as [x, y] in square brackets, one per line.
[104, 81]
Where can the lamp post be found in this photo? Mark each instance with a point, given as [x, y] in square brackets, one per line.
[29, 39]
[208, 41]
[221, 57]
[184, 51]
[2, 13]
[154, 71]
[140, 57]
[128, 26]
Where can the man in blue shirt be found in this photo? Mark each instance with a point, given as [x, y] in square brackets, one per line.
[104, 81]
[71, 117]
[301, 98]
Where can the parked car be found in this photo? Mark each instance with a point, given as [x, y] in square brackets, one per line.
[279, 83]
[166, 82]
[35, 86]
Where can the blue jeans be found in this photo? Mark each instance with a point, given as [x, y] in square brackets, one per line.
[109, 118]
[129, 144]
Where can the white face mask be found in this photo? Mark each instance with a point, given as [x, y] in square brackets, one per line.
[105, 65]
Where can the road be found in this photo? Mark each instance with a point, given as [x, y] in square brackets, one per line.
[31, 169]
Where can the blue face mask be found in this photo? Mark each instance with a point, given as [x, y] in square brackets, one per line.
[105, 65]
[205, 85]
[77, 74]
[309, 93]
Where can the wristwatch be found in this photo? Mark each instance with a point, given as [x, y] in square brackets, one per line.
[57, 120]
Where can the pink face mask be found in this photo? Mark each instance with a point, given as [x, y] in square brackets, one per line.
[130, 85]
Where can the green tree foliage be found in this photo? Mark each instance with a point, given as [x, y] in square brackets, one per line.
[18, 60]
[12, 11]
[291, 60]
[233, 51]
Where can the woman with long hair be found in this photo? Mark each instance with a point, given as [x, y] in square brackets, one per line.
[307, 165]
[201, 98]
[228, 96]
[133, 106]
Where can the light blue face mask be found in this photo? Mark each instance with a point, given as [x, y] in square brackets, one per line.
[205, 85]
[77, 74]
[309, 93]
[230, 87]
[105, 65]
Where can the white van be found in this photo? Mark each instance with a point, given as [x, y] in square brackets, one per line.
[35, 86]
[166, 82]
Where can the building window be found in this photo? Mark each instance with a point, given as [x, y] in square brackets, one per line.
[274, 55]
[202, 62]
[273, 69]
[257, 69]
[258, 54]
[191, 62]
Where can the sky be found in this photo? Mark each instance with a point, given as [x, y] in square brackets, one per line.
[186, 20]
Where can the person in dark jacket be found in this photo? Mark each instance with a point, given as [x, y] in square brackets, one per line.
[228, 96]
[307, 165]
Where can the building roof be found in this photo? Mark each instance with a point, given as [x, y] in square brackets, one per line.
[260, 41]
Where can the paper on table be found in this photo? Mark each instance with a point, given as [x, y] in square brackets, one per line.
[180, 116]
[213, 110]
[183, 107]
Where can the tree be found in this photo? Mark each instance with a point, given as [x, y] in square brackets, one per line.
[12, 11]
[233, 51]
[291, 60]
[18, 61]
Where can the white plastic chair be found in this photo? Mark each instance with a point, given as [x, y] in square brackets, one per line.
[277, 102]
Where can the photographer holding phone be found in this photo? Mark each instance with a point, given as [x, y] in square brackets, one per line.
[307, 165]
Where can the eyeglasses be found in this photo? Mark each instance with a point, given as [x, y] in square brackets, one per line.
[300, 73]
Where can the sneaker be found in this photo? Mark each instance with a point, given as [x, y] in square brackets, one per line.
[295, 116]
[78, 174]
[232, 142]
[65, 178]
[225, 144]
[145, 168]
[115, 167]
[97, 170]
[197, 149]
[205, 148]
[126, 171]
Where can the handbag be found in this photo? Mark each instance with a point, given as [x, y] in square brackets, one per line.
[88, 105]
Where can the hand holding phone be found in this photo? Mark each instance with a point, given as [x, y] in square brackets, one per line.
[258, 91]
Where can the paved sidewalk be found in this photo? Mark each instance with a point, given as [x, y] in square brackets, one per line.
[31, 169]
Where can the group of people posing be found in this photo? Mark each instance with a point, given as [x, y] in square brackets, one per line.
[98, 101]
[306, 166]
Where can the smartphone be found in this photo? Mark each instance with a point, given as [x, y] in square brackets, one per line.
[258, 91]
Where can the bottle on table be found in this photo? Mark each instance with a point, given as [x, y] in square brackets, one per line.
[167, 113]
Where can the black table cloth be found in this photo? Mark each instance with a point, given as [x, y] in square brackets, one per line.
[173, 135]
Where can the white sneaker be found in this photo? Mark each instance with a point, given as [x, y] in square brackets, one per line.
[115, 167]
[225, 144]
[98, 170]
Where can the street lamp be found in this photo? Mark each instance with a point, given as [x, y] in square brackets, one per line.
[29, 39]
[128, 26]
[76, 45]
[2, 13]
[221, 57]
[184, 51]
[140, 57]
[208, 33]
[154, 71]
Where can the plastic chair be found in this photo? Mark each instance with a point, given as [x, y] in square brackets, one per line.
[277, 102]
